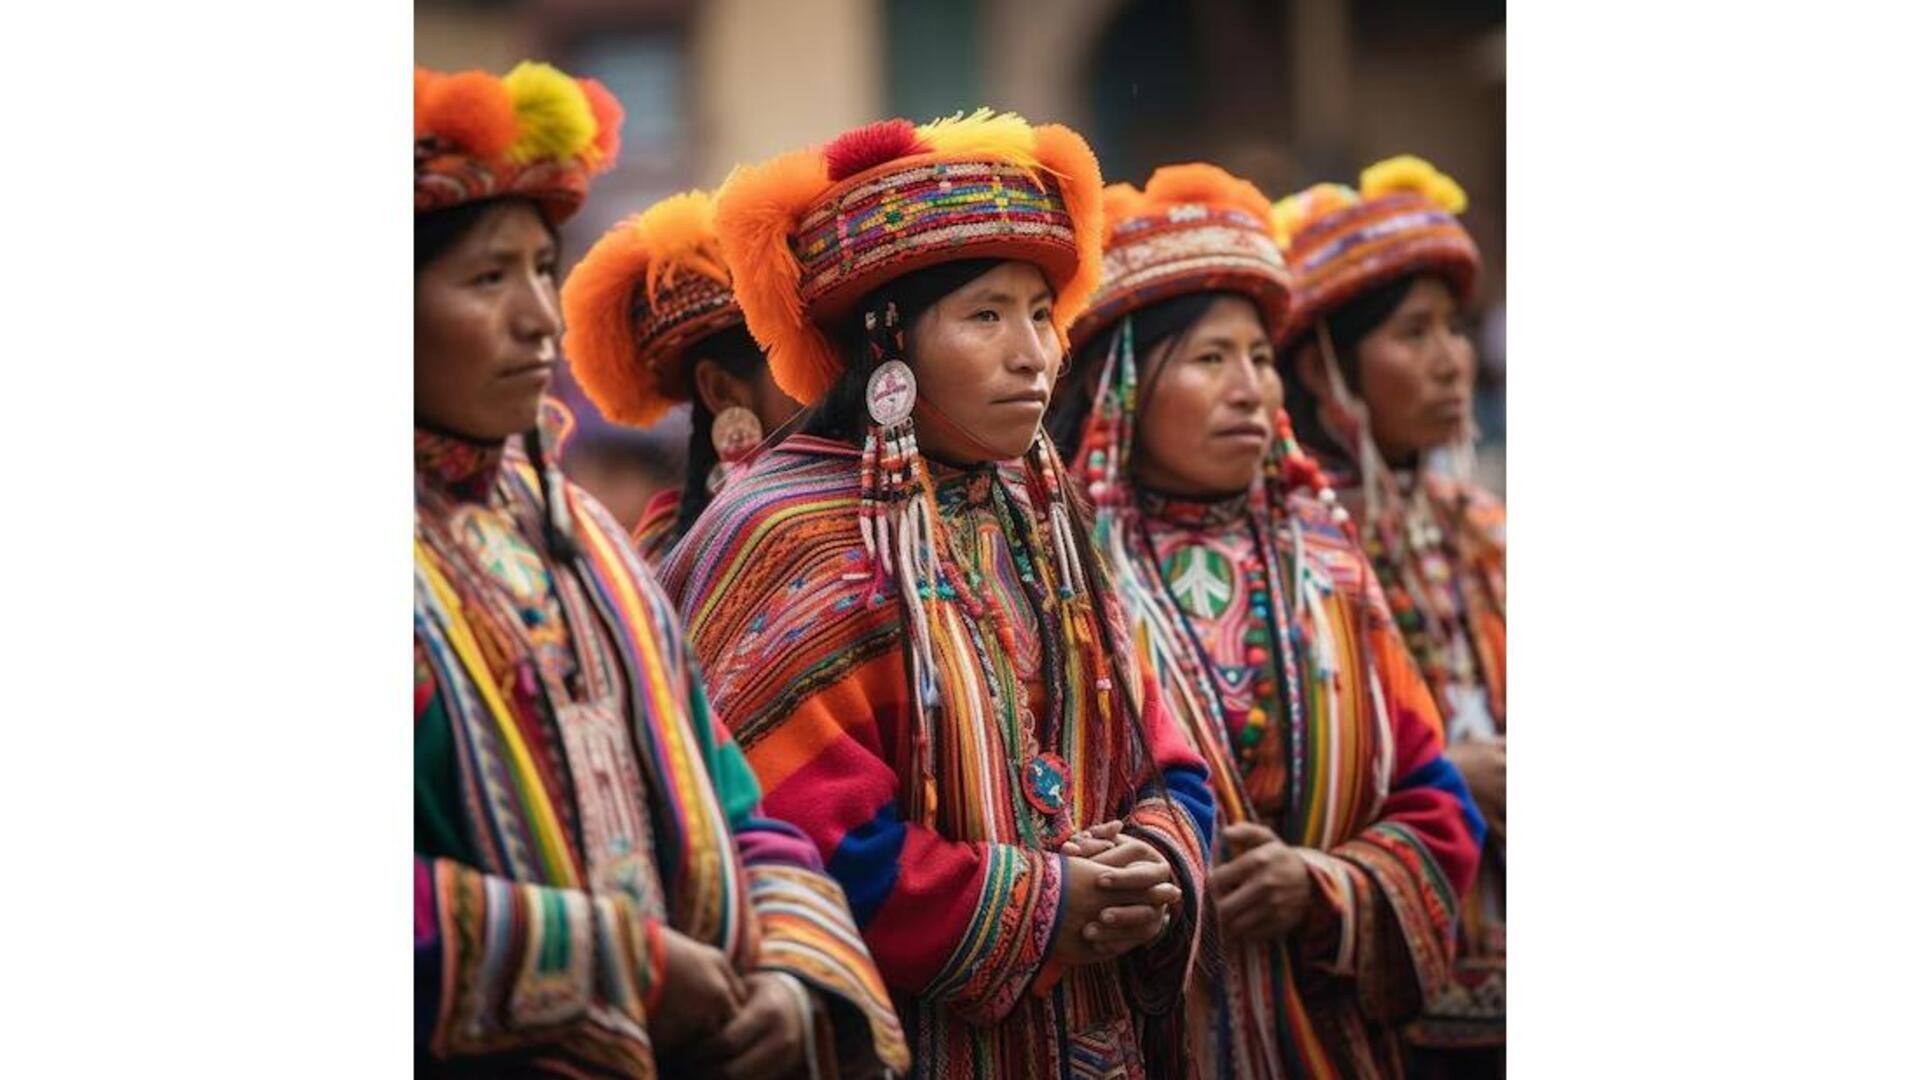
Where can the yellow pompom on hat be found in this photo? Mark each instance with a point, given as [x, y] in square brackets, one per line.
[648, 291]
[1195, 228]
[1402, 220]
[809, 233]
[536, 133]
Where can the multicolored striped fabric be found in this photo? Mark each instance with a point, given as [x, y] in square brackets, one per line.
[1356, 783]
[1461, 626]
[1344, 253]
[954, 878]
[1195, 228]
[862, 232]
[658, 527]
[573, 796]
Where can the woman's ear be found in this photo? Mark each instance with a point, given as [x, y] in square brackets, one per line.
[718, 390]
[1312, 366]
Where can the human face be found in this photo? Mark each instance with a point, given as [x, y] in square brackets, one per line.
[1416, 373]
[985, 357]
[1207, 418]
[486, 322]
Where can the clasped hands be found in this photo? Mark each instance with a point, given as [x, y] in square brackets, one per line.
[1120, 895]
[714, 1020]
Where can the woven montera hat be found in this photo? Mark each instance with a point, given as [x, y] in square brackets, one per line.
[654, 286]
[536, 133]
[1196, 228]
[809, 233]
[1341, 242]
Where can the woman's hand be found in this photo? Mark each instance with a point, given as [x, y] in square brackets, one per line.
[1483, 765]
[766, 1038]
[1117, 901]
[702, 993]
[1092, 841]
[1263, 891]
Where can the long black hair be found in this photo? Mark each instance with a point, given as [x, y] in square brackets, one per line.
[1347, 326]
[737, 354]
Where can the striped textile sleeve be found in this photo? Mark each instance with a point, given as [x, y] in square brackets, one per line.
[503, 966]
[1389, 894]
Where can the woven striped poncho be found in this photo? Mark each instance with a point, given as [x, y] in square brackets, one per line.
[1463, 575]
[954, 893]
[1350, 774]
[573, 797]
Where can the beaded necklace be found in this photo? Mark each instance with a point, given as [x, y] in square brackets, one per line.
[1033, 742]
[1272, 624]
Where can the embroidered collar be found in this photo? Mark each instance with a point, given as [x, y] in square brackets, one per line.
[1190, 513]
[461, 467]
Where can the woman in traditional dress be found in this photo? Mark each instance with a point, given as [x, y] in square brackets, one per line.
[904, 624]
[1344, 835]
[1383, 275]
[652, 322]
[596, 892]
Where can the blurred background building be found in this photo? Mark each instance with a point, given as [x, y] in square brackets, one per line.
[1284, 92]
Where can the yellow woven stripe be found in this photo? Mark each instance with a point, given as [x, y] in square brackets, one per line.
[546, 824]
[697, 799]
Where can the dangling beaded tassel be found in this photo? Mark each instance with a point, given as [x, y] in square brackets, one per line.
[1373, 467]
[1046, 474]
[1373, 471]
[898, 529]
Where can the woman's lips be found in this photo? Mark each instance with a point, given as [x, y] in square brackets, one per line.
[1032, 399]
[1243, 433]
[536, 371]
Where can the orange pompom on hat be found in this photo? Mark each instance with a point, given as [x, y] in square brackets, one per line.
[536, 132]
[647, 291]
[1196, 228]
[1341, 242]
[809, 233]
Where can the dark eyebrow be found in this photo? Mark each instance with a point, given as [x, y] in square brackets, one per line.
[1001, 296]
[1224, 342]
[512, 254]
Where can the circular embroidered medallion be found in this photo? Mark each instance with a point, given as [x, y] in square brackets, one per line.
[1202, 581]
[1045, 783]
[890, 393]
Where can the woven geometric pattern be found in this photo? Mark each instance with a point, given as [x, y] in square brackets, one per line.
[443, 178]
[1183, 249]
[1373, 242]
[694, 307]
[930, 212]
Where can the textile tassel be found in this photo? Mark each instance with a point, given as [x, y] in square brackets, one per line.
[901, 522]
[1374, 470]
[1046, 475]
[1104, 450]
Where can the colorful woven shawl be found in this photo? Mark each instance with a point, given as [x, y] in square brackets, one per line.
[573, 795]
[1447, 588]
[1354, 780]
[954, 895]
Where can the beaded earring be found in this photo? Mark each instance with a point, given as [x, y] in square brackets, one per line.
[896, 516]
